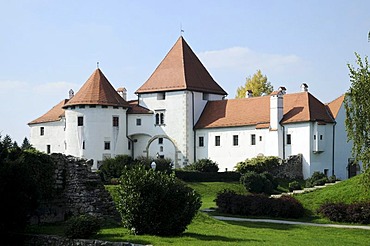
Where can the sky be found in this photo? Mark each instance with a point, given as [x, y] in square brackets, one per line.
[48, 47]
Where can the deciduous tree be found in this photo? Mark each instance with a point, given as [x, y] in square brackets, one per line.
[357, 104]
[258, 84]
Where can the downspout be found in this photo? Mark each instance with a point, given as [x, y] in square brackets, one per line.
[283, 141]
[333, 152]
[129, 139]
[194, 135]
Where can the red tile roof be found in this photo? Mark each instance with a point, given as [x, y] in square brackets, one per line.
[181, 70]
[54, 114]
[97, 91]
[335, 105]
[298, 107]
[135, 108]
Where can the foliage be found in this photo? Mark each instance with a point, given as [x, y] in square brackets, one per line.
[258, 84]
[195, 176]
[357, 105]
[26, 144]
[113, 167]
[258, 205]
[351, 213]
[155, 203]
[26, 177]
[317, 179]
[203, 165]
[294, 185]
[258, 164]
[82, 226]
[162, 165]
[259, 182]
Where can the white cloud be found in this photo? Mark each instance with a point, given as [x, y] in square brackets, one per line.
[247, 60]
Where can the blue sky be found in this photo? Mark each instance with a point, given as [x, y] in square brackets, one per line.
[48, 47]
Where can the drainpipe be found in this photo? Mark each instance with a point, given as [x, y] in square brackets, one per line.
[333, 152]
[194, 136]
[283, 142]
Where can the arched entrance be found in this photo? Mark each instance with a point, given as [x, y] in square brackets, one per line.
[164, 148]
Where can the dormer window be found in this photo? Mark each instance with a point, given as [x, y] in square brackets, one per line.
[161, 95]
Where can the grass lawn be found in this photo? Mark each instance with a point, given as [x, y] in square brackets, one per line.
[209, 190]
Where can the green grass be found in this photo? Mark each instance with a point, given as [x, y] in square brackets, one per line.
[347, 191]
[209, 190]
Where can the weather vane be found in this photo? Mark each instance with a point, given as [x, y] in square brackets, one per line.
[181, 30]
[97, 64]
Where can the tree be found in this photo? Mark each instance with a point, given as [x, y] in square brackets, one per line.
[26, 144]
[258, 84]
[357, 105]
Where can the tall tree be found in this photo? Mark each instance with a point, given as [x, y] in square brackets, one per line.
[258, 84]
[357, 104]
[26, 144]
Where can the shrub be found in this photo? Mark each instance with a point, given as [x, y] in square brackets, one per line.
[317, 178]
[258, 183]
[352, 213]
[203, 165]
[294, 185]
[258, 205]
[195, 176]
[258, 164]
[332, 179]
[162, 165]
[155, 203]
[113, 167]
[82, 226]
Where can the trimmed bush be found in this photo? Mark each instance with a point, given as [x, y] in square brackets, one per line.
[294, 185]
[259, 182]
[162, 165]
[112, 168]
[258, 205]
[258, 164]
[82, 226]
[203, 165]
[195, 176]
[351, 213]
[155, 203]
[317, 178]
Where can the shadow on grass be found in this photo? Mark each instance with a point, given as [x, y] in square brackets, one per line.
[203, 237]
[118, 237]
[261, 225]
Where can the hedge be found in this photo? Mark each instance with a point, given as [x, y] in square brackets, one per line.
[194, 176]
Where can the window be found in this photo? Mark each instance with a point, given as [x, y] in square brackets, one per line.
[107, 145]
[159, 118]
[253, 139]
[42, 131]
[326, 172]
[205, 96]
[201, 141]
[161, 149]
[115, 121]
[138, 122]
[160, 140]
[260, 138]
[161, 95]
[92, 106]
[288, 139]
[104, 106]
[81, 106]
[321, 137]
[217, 141]
[80, 121]
[314, 137]
[48, 149]
[129, 144]
[83, 145]
[235, 140]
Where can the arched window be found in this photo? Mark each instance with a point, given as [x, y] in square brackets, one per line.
[162, 118]
[157, 118]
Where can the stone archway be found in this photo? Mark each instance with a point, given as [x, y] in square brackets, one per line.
[164, 137]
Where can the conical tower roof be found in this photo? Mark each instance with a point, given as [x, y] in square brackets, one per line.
[181, 70]
[97, 91]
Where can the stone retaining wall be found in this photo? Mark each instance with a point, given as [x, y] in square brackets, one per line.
[290, 168]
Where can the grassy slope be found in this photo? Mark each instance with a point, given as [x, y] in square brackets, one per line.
[347, 191]
[209, 190]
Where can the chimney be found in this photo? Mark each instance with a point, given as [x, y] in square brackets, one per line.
[304, 87]
[71, 94]
[122, 92]
[249, 94]
[276, 108]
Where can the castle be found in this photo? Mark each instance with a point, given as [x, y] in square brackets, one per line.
[182, 113]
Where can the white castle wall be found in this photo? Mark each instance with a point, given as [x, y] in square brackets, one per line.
[54, 135]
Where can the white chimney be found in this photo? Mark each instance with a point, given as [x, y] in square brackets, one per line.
[304, 87]
[276, 108]
[122, 92]
[249, 94]
[71, 94]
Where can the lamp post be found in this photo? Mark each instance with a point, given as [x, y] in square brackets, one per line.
[153, 165]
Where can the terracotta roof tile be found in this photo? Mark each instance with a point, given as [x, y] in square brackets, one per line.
[335, 105]
[97, 91]
[298, 107]
[135, 108]
[54, 114]
[181, 70]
